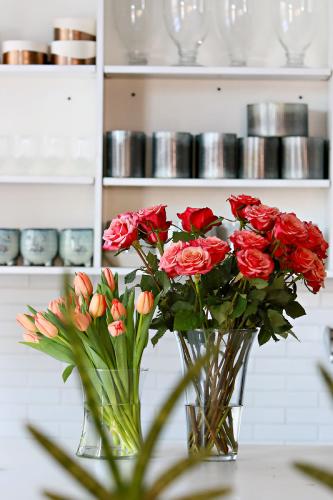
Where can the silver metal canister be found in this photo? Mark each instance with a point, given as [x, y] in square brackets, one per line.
[259, 157]
[216, 155]
[172, 154]
[126, 153]
[303, 158]
[273, 119]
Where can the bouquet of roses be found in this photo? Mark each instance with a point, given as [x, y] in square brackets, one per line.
[206, 285]
[113, 333]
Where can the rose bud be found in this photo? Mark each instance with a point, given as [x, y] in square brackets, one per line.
[81, 321]
[45, 327]
[97, 305]
[118, 310]
[145, 303]
[27, 322]
[108, 275]
[54, 307]
[83, 285]
[31, 337]
[117, 328]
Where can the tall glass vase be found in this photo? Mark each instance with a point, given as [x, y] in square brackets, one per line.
[214, 401]
[118, 396]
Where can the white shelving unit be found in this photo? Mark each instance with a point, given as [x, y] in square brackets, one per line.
[161, 97]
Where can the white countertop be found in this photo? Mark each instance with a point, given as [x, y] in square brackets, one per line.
[261, 473]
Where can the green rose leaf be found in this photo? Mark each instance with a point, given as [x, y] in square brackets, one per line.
[221, 313]
[259, 283]
[278, 321]
[258, 295]
[264, 335]
[280, 297]
[130, 277]
[239, 307]
[148, 284]
[295, 310]
[181, 236]
[163, 278]
[186, 320]
[152, 261]
[181, 306]
[159, 334]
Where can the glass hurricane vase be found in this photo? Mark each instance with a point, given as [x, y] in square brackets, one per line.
[118, 396]
[296, 25]
[187, 24]
[214, 401]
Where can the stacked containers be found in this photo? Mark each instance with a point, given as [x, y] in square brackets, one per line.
[74, 41]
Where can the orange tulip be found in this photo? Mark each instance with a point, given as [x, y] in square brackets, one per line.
[97, 305]
[27, 322]
[117, 328]
[45, 327]
[83, 285]
[54, 307]
[145, 303]
[108, 275]
[81, 321]
[118, 310]
[30, 337]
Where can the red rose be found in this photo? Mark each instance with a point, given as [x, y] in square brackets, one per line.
[239, 203]
[302, 260]
[315, 278]
[216, 248]
[193, 260]
[290, 230]
[153, 224]
[123, 231]
[248, 239]
[315, 240]
[253, 263]
[168, 262]
[261, 217]
[198, 219]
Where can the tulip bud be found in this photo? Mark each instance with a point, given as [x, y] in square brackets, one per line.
[97, 305]
[81, 321]
[118, 310]
[54, 307]
[45, 327]
[83, 285]
[27, 322]
[117, 328]
[145, 303]
[108, 275]
[30, 337]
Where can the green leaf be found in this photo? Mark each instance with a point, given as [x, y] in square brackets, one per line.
[148, 284]
[251, 309]
[50, 347]
[325, 477]
[152, 261]
[181, 305]
[295, 310]
[280, 297]
[259, 283]
[181, 236]
[221, 313]
[159, 334]
[130, 277]
[277, 319]
[164, 279]
[258, 295]
[278, 283]
[264, 335]
[239, 307]
[186, 320]
[67, 372]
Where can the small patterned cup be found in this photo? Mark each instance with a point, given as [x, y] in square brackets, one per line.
[9, 246]
[39, 247]
[77, 247]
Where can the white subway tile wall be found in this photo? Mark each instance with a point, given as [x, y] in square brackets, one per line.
[286, 401]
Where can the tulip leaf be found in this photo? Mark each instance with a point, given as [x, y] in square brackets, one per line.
[55, 496]
[50, 347]
[205, 495]
[325, 477]
[67, 372]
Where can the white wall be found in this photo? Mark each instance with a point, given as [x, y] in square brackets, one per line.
[285, 399]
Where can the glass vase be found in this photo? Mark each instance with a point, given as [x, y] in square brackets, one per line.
[187, 24]
[214, 401]
[118, 396]
[235, 22]
[296, 25]
[134, 23]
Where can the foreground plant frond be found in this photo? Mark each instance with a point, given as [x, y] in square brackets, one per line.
[323, 476]
[135, 489]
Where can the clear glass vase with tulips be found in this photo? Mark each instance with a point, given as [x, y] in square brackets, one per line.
[113, 330]
[216, 294]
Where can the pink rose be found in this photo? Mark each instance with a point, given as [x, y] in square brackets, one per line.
[200, 220]
[123, 231]
[253, 263]
[153, 224]
[315, 240]
[239, 203]
[248, 239]
[302, 260]
[193, 260]
[216, 248]
[290, 230]
[261, 217]
[168, 262]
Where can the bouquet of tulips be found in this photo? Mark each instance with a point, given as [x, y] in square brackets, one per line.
[214, 291]
[113, 332]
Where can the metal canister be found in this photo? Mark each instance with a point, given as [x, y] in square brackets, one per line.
[126, 153]
[303, 158]
[216, 155]
[172, 154]
[259, 157]
[273, 119]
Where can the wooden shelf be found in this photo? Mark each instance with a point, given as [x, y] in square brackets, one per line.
[44, 179]
[217, 183]
[47, 70]
[241, 73]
